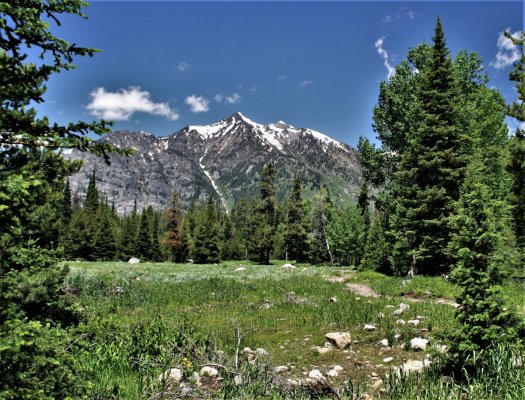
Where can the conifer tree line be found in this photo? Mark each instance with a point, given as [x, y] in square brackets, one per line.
[258, 229]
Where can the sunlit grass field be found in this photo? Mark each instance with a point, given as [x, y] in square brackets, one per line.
[144, 318]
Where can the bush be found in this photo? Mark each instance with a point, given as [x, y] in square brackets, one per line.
[36, 364]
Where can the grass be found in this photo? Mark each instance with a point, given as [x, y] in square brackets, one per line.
[143, 318]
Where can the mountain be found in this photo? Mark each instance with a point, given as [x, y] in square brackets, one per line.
[223, 160]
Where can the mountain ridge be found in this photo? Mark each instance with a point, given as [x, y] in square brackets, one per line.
[222, 160]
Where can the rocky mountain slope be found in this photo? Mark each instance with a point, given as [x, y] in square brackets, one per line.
[222, 160]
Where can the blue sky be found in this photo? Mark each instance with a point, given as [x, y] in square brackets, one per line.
[165, 65]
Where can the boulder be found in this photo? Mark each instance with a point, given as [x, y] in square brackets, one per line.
[209, 371]
[414, 322]
[384, 343]
[240, 269]
[170, 376]
[376, 385]
[369, 327]
[333, 299]
[316, 375]
[280, 369]
[339, 339]
[418, 343]
[332, 373]
[261, 352]
[288, 266]
[388, 360]
[415, 366]
[133, 260]
[337, 368]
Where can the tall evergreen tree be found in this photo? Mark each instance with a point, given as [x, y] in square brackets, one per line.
[517, 148]
[92, 198]
[482, 241]
[346, 233]
[66, 207]
[156, 252]
[432, 169]
[295, 233]
[375, 252]
[265, 222]
[363, 203]
[104, 247]
[142, 245]
[174, 239]
[207, 234]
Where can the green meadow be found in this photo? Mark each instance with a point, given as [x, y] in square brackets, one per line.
[142, 319]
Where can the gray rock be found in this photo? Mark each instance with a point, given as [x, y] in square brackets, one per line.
[133, 260]
[339, 339]
[418, 343]
[172, 375]
[209, 371]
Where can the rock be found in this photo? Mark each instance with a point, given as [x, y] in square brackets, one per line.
[337, 368]
[316, 375]
[280, 369]
[288, 266]
[400, 322]
[323, 350]
[369, 327]
[133, 260]
[186, 391]
[380, 315]
[403, 306]
[237, 380]
[333, 299]
[384, 343]
[398, 312]
[339, 339]
[209, 371]
[332, 373]
[414, 322]
[172, 375]
[247, 350]
[418, 344]
[376, 385]
[415, 366]
[261, 352]
[388, 360]
[241, 269]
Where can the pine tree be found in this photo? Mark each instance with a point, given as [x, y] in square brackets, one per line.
[483, 243]
[432, 169]
[92, 198]
[104, 246]
[265, 222]
[142, 246]
[346, 234]
[363, 203]
[66, 207]
[156, 252]
[517, 149]
[174, 239]
[207, 234]
[295, 233]
[375, 253]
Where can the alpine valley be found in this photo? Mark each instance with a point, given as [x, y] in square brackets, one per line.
[223, 160]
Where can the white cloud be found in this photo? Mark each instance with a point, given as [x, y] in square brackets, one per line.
[383, 53]
[197, 103]
[507, 53]
[306, 83]
[122, 104]
[404, 12]
[232, 99]
[183, 66]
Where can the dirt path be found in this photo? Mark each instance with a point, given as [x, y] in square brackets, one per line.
[364, 290]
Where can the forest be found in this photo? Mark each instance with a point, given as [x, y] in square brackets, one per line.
[443, 196]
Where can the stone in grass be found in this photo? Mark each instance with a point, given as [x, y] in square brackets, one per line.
[414, 322]
[240, 269]
[418, 343]
[384, 343]
[333, 299]
[369, 327]
[170, 376]
[133, 260]
[209, 371]
[288, 266]
[339, 339]
[280, 369]
[261, 352]
[316, 375]
[376, 385]
[337, 368]
[388, 360]
[415, 366]
[332, 373]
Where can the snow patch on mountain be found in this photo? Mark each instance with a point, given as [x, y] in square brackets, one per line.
[213, 183]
